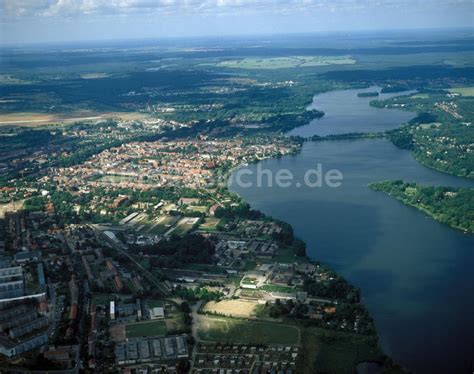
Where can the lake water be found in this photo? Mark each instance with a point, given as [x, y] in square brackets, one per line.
[345, 112]
[415, 274]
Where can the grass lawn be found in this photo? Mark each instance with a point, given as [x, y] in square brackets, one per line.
[152, 328]
[277, 288]
[328, 351]
[247, 332]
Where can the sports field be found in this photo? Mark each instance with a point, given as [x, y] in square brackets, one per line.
[210, 224]
[236, 308]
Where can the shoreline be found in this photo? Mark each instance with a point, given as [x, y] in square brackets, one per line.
[388, 361]
[385, 362]
[421, 208]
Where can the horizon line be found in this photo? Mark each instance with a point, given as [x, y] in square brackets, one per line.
[232, 35]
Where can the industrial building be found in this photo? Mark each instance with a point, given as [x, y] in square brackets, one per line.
[21, 328]
[11, 282]
[146, 350]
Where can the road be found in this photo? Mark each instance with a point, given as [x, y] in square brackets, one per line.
[195, 315]
[194, 332]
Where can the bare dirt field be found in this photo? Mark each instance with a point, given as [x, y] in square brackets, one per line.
[235, 308]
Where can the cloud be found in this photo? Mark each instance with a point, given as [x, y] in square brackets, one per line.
[69, 20]
[18, 9]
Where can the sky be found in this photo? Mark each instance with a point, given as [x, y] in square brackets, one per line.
[36, 21]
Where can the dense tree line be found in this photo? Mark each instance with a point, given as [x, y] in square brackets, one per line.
[176, 251]
[452, 206]
[198, 293]
[242, 210]
[336, 289]
[287, 308]
[424, 118]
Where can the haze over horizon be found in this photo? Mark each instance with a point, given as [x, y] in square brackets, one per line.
[36, 21]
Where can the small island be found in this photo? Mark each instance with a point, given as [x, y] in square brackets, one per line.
[368, 94]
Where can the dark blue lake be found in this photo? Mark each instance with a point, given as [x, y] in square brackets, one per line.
[345, 112]
[415, 274]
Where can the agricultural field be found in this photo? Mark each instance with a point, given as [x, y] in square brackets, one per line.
[152, 328]
[7, 79]
[463, 91]
[246, 332]
[420, 96]
[234, 308]
[286, 62]
[94, 75]
[25, 119]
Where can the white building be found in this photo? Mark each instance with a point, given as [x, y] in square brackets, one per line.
[157, 313]
[112, 310]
